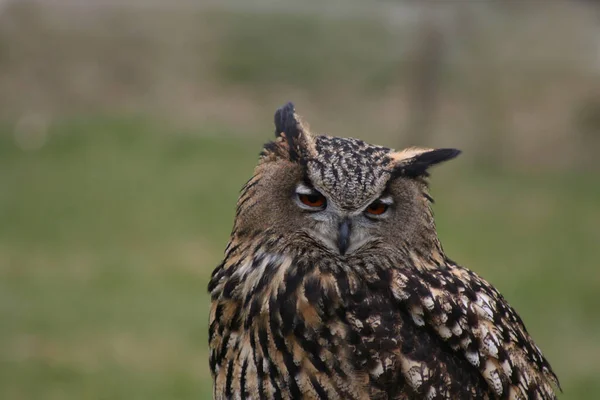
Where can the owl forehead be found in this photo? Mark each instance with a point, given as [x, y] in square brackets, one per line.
[349, 170]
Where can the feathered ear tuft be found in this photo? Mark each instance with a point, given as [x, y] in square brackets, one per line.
[414, 162]
[289, 124]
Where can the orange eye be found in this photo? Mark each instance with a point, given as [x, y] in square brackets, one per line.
[315, 200]
[377, 208]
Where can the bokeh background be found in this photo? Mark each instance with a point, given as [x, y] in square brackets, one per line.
[128, 127]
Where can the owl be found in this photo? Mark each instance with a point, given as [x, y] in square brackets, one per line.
[334, 285]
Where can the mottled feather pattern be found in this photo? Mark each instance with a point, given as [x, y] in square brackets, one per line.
[349, 166]
[374, 328]
[294, 317]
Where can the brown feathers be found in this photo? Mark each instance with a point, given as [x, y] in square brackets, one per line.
[389, 316]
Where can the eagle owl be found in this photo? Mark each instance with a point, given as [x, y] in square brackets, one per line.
[335, 285]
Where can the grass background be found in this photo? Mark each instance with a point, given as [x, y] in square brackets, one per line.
[126, 136]
[110, 231]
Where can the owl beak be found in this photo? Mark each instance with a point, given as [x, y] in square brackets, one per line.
[344, 235]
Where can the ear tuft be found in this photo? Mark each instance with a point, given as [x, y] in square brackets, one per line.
[288, 124]
[285, 120]
[415, 162]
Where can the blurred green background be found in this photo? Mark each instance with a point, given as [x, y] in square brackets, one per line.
[127, 130]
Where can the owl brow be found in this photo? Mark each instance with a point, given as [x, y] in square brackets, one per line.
[306, 181]
[303, 188]
[386, 199]
[388, 190]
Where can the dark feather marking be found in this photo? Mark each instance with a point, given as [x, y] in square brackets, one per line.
[259, 369]
[270, 147]
[230, 286]
[252, 313]
[318, 388]
[311, 347]
[229, 379]
[429, 198]
[286, 123]
[312, 290]
[293, 371]
[243, 390]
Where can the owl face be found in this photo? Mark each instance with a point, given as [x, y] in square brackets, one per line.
[341, 193]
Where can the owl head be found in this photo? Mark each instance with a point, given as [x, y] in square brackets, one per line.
[340, 194]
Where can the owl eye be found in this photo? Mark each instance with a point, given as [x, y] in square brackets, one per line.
[313, 200]
[377, 208]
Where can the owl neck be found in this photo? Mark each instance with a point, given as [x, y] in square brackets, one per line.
[258, 270]
[422, 250]
[423, 244]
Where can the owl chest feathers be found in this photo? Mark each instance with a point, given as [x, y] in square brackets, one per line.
[375, 327]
